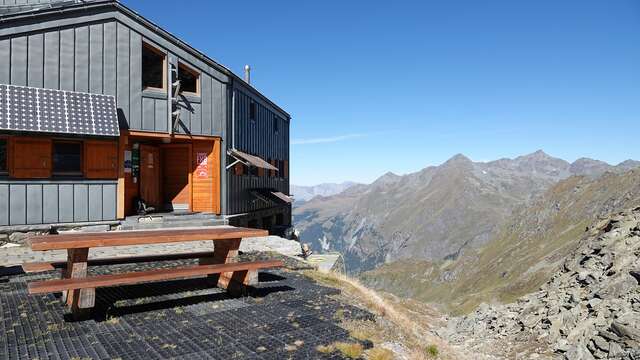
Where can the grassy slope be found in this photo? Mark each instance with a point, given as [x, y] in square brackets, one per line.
[530, 247]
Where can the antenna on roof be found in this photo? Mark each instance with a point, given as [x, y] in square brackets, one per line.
[247, 74]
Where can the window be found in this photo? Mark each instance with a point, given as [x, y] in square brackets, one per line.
[276, 124]
[253, 171]
[154, 68]
[67, 158]
[252, 111]
[189, 80]
[3, 155]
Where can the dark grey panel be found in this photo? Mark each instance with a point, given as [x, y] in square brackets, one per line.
[207, 101]
[196, 121]
[82, 59]
[95, 58]
[52, 60]
[5, 66]
[122, 97]
[148, 113]
[80, 202]
[34, 204]
[19, 61]
[161, 115]
[110, 59]
[67, 65]
[109, 202]
[95, 202]
[66, 203]
[4, 204]
[17, 204]
[35, 72]
[50, 204]
[135, 80]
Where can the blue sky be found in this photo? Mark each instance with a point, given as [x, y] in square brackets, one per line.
[377, 86]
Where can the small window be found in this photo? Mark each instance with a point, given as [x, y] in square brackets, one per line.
[154, 68]
[67, 158]
[252, 111]
[189, 80]
[276, 124]
[253, 171]
[3, 155]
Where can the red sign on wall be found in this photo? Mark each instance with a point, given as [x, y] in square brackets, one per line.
[202, 169]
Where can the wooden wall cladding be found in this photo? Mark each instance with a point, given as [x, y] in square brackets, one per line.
[30, 158]
[101, 159]
[206, 176]
[176, 170]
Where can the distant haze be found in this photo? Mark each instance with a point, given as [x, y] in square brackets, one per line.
[306, 193]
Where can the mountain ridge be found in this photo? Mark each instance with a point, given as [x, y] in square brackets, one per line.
[435, 213]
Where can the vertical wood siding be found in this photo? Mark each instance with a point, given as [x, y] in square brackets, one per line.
[257, 138]
[42, 202]
[106, 58]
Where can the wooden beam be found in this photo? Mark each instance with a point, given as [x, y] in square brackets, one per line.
[156, 135]
[139, 237]
[39, 287]
[121, 198]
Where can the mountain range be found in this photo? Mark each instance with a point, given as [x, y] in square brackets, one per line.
[439, 213]
[306, 193]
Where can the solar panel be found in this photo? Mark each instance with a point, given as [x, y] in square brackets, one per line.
[57, 111]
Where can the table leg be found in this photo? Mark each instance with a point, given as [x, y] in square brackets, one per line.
[80, 300]
[224, 252]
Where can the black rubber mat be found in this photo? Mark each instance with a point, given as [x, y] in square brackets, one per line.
[286, 316]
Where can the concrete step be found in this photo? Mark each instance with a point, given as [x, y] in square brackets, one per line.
[164, 221]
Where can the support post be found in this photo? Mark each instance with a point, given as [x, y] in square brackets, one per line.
[80, 301]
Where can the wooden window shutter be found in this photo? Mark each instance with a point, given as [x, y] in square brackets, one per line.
[101, 159]
[30, 158]
[272, 173]
[260, 172]
[286, 169]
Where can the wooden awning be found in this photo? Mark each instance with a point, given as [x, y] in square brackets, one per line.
[285, 198]
[271, 197]
[251, 160]
[41, 110]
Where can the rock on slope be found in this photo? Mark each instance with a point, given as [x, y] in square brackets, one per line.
[524, 254]
[434, 214]
[588, 309]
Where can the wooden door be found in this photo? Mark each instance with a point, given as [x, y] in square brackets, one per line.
[176, 175]
[150, 172]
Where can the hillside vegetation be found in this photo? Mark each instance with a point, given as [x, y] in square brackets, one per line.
[524, 252]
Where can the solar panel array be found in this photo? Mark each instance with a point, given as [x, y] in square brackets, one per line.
[57, 111]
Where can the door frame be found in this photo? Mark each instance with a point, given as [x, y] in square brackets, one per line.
[189, 147]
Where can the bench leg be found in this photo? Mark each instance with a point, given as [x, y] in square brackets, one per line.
[224, 252]
[81, 300]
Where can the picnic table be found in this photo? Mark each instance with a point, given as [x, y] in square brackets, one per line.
[78, 287]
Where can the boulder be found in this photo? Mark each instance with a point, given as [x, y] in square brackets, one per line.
[578, 352]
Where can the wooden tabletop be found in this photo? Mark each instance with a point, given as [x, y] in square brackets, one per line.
[139, 237]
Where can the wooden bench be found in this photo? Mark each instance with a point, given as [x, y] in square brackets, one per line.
[79, 289]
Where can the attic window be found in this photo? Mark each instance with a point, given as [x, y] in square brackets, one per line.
[154, 68]
[276, 124]
[189, 80]
[252, 111]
